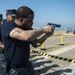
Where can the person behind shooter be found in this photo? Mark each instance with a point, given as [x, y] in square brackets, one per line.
[1, 21]
[1, 45]
[17, 37]
[10, 15]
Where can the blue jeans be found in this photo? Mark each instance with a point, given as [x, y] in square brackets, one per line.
[2, 65]
[28, 70]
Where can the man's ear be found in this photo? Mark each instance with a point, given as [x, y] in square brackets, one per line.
[21, 20]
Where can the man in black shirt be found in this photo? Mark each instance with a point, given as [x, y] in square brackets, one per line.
[1, 47]
[1, 21]
[17, 37]
[10, 16]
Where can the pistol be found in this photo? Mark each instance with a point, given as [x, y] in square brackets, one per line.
[52, 24]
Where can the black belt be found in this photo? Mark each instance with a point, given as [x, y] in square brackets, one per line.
[18, 66]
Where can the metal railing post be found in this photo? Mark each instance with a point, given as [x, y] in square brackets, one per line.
[43, 47]
[62, 39]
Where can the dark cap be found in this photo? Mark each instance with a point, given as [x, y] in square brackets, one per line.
[11, 12]
[1, 16]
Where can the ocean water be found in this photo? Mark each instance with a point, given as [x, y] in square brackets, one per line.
[61, 28]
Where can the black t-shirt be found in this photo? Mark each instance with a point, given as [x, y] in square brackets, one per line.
[15, 51]
[0, 33]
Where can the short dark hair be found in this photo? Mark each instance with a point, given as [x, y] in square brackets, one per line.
[23, 12]
[11, 12]
[1, 16]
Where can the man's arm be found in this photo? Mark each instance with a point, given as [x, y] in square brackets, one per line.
[29, 35]
[25, 35]
[38, 42]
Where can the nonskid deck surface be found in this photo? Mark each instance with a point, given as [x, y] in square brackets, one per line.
[52, 65]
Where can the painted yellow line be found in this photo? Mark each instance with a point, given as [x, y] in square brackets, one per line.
[34, 57]
[53, 56]
[73, 61]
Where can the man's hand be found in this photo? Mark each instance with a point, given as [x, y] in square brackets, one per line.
[1, 45]
[49, 29]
